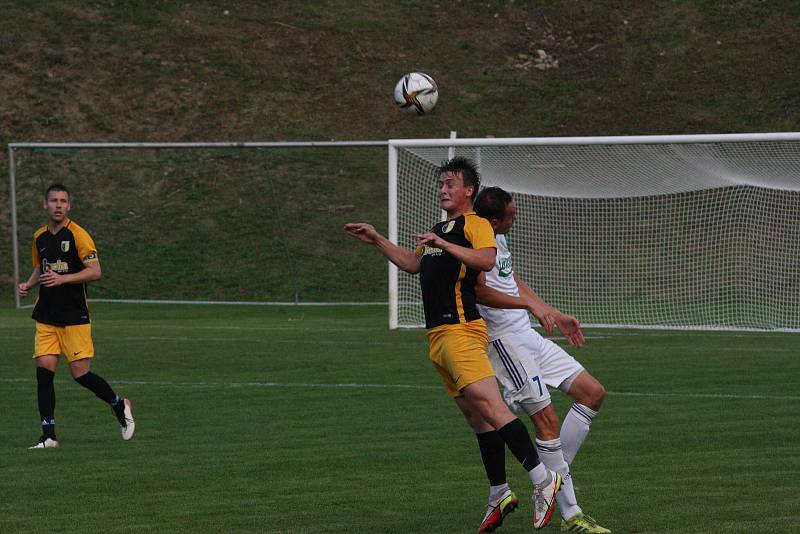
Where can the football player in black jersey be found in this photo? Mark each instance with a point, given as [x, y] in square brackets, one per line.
[64, 260]
[449, 258]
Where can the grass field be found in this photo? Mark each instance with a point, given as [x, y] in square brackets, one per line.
[312, 419]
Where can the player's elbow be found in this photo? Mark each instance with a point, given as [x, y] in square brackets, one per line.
[411, 265]
[485, 262]
[413, 268]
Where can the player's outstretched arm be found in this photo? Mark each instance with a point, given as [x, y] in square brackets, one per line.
[366, 233]
[480, 259]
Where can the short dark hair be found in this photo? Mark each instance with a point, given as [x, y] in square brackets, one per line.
[492, 202]
[56, 187]
[468, 170]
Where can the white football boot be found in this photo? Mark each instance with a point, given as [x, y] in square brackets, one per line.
[45, 443]
[544, 499]
[130, 424]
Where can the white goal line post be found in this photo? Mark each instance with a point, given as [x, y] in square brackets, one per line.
[686, 172]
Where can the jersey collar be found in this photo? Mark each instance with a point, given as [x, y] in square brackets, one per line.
[67, 221]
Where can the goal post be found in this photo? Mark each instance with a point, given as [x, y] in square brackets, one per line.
[689, 232]
[393, 237]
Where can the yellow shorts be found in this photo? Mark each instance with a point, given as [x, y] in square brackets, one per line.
[74, 341]
[460, 354]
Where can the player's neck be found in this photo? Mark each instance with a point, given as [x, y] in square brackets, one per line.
[458, 212]
[56, 227]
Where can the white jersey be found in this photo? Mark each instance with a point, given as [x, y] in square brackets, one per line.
[502, 322]
[521, 357]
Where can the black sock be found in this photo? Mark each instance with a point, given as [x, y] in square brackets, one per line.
[46, 395]
[493, 454]
[519, 443]
[98, 386]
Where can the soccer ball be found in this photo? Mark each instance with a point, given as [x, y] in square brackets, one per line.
[416, 92]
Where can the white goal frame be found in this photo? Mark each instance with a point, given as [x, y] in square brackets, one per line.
[472, 147]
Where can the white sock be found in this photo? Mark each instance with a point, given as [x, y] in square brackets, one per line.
[495, 492]
[551, 455]
[539, 474]
[575, 429]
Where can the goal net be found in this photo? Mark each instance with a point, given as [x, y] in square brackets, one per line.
[221, 222]
[699, 232]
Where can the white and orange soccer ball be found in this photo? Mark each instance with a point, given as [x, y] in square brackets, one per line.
[416, 92]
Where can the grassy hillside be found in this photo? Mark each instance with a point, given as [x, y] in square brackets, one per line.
[245, 71]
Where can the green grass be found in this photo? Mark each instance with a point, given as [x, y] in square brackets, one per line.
[309, 419]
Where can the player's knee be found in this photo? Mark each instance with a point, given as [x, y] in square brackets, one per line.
[595, 396]
[587, 390]
[496, 414]
[482, 409]
[49, 362]
[78, 374]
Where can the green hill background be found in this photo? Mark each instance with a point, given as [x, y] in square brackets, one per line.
[323, 70]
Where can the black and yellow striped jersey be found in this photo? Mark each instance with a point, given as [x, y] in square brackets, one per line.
[65, 252]
[448, 286]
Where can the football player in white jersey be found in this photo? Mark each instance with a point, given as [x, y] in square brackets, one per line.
[525, 362]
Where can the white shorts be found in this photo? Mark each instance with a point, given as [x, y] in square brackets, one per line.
[525, 362]
[559, 369]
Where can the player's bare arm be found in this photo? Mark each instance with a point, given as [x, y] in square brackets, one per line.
[30, 283]
[489, 296]
[493, 298]
[90, 273]
[404, 259]
[481, 259]
[550, 317]
[538, 306]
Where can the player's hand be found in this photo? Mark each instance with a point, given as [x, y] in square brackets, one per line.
[571, 329]
[429, 239]
[547, 321]
[23, 289]
[50, 279]
[544, 314]
[362, 231]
